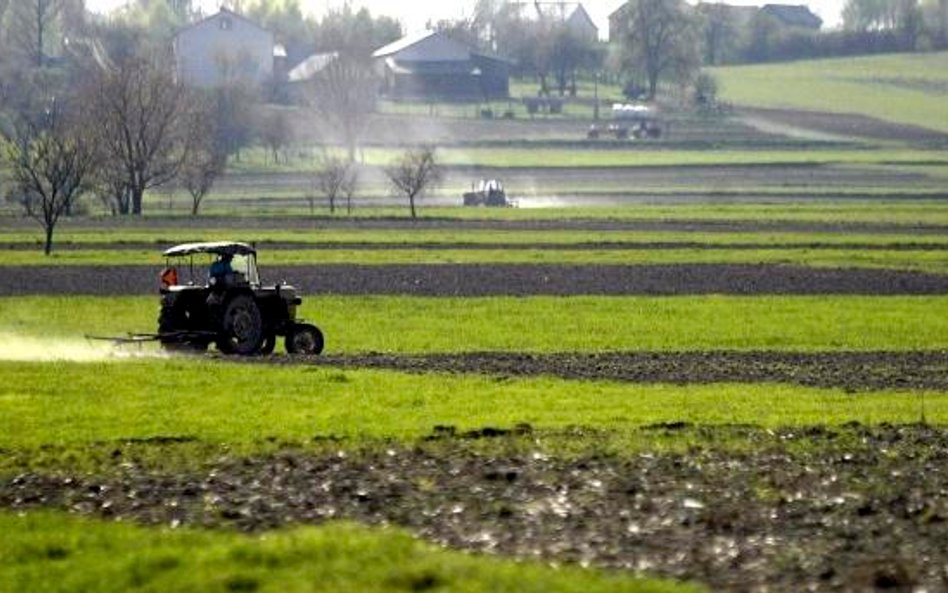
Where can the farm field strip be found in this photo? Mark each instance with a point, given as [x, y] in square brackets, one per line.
[876, 86]
[553, 158]
[876, 212]
[361, 324]
[53, 551]
[78, 404]
[317, 237]
[617, 511]
[929, 260]
[848, 370]
[236, 189]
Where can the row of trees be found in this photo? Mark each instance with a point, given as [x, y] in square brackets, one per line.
[123, 131]
[670, 40]
[736, 35]
[103, 119]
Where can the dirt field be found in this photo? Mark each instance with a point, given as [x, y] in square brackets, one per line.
[848, 124]
[811, 509]
[513, 279]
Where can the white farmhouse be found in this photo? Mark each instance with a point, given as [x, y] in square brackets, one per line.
[224, 48]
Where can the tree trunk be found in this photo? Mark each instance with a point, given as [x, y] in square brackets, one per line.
[48, 248]
[652, 84]
[137, 201]
[411, 202]
[332, 204]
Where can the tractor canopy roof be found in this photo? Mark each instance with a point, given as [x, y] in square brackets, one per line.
[215, 247]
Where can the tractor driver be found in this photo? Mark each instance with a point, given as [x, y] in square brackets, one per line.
[222, 267]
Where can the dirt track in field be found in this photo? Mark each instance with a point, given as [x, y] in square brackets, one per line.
[810, 509]
[495, 280]
[852, 371]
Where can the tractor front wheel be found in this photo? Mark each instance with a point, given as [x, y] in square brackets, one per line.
[304, 339]
[241, 326]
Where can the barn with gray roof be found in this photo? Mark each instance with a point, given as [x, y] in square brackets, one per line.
[432, 66]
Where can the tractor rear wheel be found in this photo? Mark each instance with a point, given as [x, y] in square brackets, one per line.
[304, 338]
[241, 326]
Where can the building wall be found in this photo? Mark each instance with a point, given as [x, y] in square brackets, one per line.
[582, 26]
[224, 48]
[492, 83]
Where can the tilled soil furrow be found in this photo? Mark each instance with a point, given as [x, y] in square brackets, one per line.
[847, 370]
[504, 279]
[826, 517]
[479, 246]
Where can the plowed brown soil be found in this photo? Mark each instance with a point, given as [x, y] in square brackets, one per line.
[847, 370]
[503, 279]
[811, 509]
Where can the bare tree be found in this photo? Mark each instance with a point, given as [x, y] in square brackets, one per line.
[206, 159]
[274, 131]
[334, 178]
[660, 39]
[414, 173]
[344, 94]
[721, 32]
[32, 21]
[139, 113]
[350, 188]
[113, 192]
[232, 106]
[51, 163]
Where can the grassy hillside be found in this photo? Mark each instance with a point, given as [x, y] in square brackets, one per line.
[904, 88]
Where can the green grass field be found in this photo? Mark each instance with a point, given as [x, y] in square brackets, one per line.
[923, 261]
[53, 552]
[901, 209]
[79, 405]
[902, 88]
[70, 406]
[546, 324]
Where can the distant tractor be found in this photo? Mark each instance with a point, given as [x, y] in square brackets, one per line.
[228, 307]
[487, 192]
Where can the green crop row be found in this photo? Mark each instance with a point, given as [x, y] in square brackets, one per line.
[903, 210]
[545, 324]
[163, 234]
[933, 261]
[223, 403]
[45, 551]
